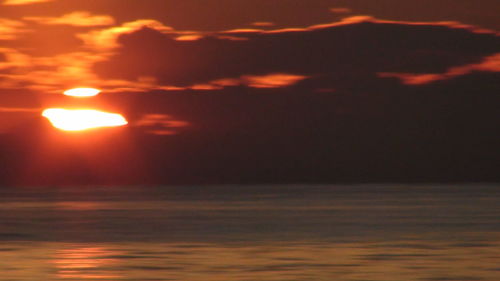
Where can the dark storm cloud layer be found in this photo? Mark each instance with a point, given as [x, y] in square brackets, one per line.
[357, 48]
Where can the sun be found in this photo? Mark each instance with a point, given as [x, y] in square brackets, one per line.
[74, 120]
[82, 92]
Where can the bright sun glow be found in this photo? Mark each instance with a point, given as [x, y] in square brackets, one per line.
[82, 92]
[82, 119]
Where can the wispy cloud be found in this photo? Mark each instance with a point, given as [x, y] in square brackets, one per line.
[106, 39]
[340, 10]
[23, 2]
[11, 29]
[19, 109]
[54, 73]
[80, 18]
[160, 124]
[489, 64]
[13, 59]
[263, 24]
[274, 80]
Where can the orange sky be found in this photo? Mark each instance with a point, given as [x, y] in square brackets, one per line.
[193, 70]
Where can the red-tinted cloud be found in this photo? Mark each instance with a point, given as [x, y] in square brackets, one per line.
[489, 64]
[160, 124]
[11, 29]
[23, 2]
[81, 18]
[340, 10]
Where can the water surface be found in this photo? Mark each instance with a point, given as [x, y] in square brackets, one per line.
[293, 232]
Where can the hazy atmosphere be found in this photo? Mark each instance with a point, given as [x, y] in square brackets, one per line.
[270, 140]
[252, 91]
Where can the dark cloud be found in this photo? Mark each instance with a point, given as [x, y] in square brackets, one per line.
[355, 48]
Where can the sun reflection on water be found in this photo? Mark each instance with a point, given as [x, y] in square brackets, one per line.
[86, 263]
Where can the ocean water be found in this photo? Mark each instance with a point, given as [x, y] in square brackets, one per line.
[278, 232]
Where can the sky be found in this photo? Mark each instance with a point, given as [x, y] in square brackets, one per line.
[252, 91]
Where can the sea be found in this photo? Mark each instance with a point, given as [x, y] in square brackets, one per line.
[383, 232]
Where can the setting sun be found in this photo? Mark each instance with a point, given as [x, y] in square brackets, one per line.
[82, 119]
[82, 92]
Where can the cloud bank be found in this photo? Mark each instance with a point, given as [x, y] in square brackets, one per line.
[357, 47]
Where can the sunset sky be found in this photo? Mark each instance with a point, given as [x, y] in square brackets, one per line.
[251, 91]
